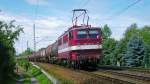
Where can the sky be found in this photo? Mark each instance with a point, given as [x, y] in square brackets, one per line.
[53, 17]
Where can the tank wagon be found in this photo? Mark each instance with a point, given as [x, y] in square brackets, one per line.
[79, 46]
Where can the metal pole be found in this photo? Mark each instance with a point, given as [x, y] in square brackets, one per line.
[27, 45]
[34, 40]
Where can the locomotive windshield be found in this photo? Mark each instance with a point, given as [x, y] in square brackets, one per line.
[81, 34]
[93, 33]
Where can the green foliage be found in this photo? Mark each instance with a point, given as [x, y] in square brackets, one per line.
[131, 30]
[145, 34]
[146, 59]
[108, 48]
[136, 52]
[26, 53]
[119, 52]
[35, 72]
[121, 47]
[106, 32]
[8, 34]
[39, 76]
[130, 50]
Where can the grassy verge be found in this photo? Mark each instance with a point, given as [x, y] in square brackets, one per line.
[33, 71]
[26, 78]
[42, 79]
[55, 72]
[59, 77]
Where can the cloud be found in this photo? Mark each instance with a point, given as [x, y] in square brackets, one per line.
[118, 25]
[35, 2]
[50, 22]
[48, 29]
[51, 27]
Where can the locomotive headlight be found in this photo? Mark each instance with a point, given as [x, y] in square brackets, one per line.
[97, 36]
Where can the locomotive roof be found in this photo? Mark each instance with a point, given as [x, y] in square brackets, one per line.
[77, 27]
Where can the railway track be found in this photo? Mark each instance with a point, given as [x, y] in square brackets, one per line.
[101, 79]
[139, 76]
[145, 71]
[134, 77]
[110, 76]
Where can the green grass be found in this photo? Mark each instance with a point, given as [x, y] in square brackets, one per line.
[33, 71]
[27, 78]
[42, 79]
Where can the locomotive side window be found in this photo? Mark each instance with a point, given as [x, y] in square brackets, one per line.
[70, 35]
[81, 34]
[93, 33]
[59, 42]
[65, 38]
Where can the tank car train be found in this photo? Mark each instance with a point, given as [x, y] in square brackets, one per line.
[79, 46]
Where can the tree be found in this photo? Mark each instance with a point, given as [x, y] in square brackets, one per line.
[26, 53]
[108, 48]
[108, 45]
[8, 34]
[106, 32]
[121, 47]
[146, 59]
[136, 51]
[119, 52]
[145, 35]
[131, 30]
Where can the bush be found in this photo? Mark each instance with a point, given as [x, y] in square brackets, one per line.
[8, 34]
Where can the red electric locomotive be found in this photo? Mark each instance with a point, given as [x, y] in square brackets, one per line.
[79, 46]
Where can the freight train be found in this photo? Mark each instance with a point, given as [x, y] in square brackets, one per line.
[79, 46]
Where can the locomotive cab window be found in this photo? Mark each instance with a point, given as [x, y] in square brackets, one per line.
[81, 34]
[93, 33]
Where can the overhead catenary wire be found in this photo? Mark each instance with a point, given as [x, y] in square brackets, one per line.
[85, 4]
[82, 4]
[43, 39]
[123, 10]
[87, 1]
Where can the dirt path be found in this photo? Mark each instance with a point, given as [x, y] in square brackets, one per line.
[33, 81]
[20, 73]
[24, 77]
